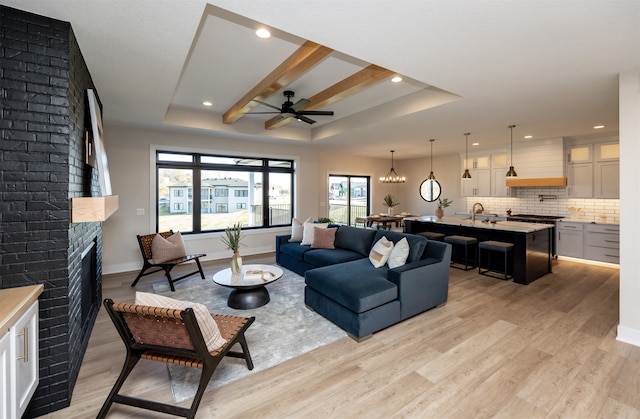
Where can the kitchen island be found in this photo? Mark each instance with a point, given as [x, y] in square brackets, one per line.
[532, 242]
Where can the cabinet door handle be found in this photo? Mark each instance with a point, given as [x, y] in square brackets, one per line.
[612, 241]
[611, 229]
[612, 256]
[25, 340]
[568, 226]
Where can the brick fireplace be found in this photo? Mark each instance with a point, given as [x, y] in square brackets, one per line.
[43, 84]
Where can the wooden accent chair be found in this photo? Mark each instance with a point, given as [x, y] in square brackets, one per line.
[145, 249]
[171, 336]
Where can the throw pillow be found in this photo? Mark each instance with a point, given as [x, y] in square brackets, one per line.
[323, 238]
[297, 228]
[399, 254]
[380, 252]
[170, 248]
[307, 233]
[207, 324]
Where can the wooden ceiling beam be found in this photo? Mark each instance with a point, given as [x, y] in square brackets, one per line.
[305, 57]
[353, 84]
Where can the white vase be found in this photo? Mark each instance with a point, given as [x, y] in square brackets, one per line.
[389, 211]
[236, 263]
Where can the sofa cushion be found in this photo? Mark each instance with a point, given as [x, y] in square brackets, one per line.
[295, 250]
[356, 285]
[380, 252]
[297, 228]
[326, 257]
[309, 230]
[323, 238]
[416, 243]
[357, 239]
[399, 254]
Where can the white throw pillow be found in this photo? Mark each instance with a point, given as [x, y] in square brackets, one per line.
[380, 252]
[297, 228]
[207, 324]
[307, 233]
[399, 254]
[170, 248]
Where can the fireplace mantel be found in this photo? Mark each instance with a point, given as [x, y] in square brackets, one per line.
[93, 209]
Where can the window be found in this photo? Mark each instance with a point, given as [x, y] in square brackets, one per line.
[348, 198]
[200, 193]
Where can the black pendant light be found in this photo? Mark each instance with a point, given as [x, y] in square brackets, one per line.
[466, 174]
[392, 176]
[431, 175]
[512, 171]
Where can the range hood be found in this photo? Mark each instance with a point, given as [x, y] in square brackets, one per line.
[540, 181]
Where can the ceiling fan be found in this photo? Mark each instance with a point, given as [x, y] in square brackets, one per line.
[290, 109]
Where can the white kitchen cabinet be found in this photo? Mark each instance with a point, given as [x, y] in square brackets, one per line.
[580, 153]
[5, 382]
[479, 184]
[20, 361]
[570, 238]
[602, 242]
[499, 182]
[606, 179]
[580, 180]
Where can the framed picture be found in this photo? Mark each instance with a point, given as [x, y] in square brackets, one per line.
[98, 144]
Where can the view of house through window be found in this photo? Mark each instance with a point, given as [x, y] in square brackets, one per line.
[198, 193]
[348, 198]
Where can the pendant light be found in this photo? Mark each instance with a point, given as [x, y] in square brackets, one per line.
[466, 174]
[512, 171]
[431, 175]
[392, 176]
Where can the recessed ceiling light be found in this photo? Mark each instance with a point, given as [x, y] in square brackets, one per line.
[475, 143]
[396, 79]
[207, 103]
[263, 33]
[528, 137]
[598, 127]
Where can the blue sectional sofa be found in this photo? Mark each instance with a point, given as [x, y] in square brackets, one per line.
[343, 285]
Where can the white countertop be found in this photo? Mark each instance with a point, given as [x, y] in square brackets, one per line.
[514, 226]
[585, 220]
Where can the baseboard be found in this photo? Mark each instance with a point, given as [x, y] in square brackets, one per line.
[628, 335]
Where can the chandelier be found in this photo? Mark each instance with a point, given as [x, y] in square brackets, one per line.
[392, 176]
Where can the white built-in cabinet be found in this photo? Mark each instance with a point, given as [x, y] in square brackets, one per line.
[19, 357]
[499, 167]
[599, 242]
[593, 170]
[480, 182]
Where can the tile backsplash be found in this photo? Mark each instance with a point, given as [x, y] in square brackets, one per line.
[550, 201]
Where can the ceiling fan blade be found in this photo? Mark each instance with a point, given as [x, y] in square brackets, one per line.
[304, 119]
[265, 112]
[267, 104]
[326, 113]
[300, 104]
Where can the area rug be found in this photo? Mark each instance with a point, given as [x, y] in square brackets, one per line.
[284, 329]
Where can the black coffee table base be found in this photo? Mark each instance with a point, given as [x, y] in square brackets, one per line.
[248, 298]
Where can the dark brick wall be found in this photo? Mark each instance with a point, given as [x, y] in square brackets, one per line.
[44, 113]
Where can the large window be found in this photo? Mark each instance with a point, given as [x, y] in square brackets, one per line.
[199, 193]
[348, 198]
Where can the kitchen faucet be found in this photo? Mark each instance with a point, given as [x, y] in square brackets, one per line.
[473, 211]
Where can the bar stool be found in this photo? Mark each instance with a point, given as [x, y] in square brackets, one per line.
[491, 246]
[432, 235]
[456, 242]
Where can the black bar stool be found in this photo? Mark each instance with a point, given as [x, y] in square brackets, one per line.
[432, 235]
[489, 247]
[466, 242]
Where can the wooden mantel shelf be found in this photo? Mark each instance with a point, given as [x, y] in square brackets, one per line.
[93, 209]
[544, 181]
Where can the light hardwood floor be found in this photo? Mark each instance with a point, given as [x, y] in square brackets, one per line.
[495, 349]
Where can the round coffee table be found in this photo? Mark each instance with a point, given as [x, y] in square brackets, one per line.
[249, 286]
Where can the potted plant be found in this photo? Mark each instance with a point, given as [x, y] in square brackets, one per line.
[232, 239]
[442, 204]
[389, 201]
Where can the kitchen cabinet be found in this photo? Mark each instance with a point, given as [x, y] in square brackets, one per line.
[580, 180]
[479, 184]
[606, 175]
[602, 242]
[570, 238]
[19, 363]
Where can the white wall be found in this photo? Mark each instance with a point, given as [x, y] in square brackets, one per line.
[629, 326]
[132, 169]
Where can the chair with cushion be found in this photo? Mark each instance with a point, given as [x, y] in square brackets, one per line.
[173, 336]
[163, 263]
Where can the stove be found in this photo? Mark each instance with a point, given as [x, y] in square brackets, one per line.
[540, 219]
